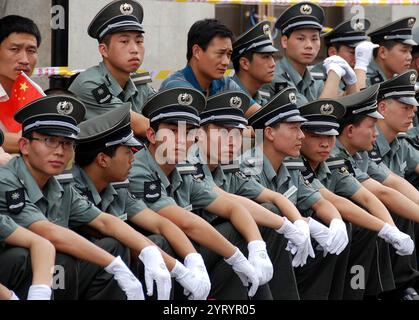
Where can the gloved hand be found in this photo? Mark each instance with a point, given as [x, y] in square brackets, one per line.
[244, 270]
[14, 296]
[126, 280]
[194, 288]
[349, 76]
[338, 237]
[399, 240]
[332, 63]
[39, 292]
[259, 259]
[320, 233]
[363, 54]
[196, 265]
[299, 240]
[155, 270]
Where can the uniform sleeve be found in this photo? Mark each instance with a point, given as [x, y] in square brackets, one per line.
[82, 211]
[307, 195]
[133, 205]
[249, 187]
[29, 214]
[412, 158]
[7, 227]
[202, 194]
[379, 172]
[345, 184]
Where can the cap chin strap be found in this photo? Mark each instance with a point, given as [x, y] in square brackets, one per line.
[119, 24]
[301, 23]
[120, 141]
[51, 123]
[282, 116]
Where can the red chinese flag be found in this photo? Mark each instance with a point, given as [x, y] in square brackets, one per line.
[24, 91]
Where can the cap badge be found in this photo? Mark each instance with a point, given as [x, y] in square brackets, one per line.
[292, 97]
[235, 102]
[267, 31]
[411, 22]
[64, 107]
[412, 78]
[327, 109]
[185, 99]
[358, 26]
[126, 9]
[306, 9]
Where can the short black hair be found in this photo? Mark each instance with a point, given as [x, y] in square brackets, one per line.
[389, 44]
[203, 31]
[352, 119]
[84, 158]
[336, 45]
[236, 62]
[18, 24]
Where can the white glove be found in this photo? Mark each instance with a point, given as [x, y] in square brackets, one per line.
[299, 241]
[338, 237]
[39, 292]
[349, 77]
[244, 270]
[196, 265]
[399, 240]
[155, 270]
[258, 257]
[14, 296]
[332, 63]
[320, 233]
[126, 280]
[363, 54]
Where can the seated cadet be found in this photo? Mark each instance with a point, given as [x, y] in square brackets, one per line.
[280, 121]
[103, 159]
[171, 191]
[119, 31]
[253, 61]
[50, 207]
[349, 41]
[393, 56]
[208, 54]
[300, 27]
[19, 42]
[219, 139]
[357, 134]
[334, 182]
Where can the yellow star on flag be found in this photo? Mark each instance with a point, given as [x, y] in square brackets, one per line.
[23, 86]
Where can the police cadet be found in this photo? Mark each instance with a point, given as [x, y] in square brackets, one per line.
[48, 206]
[280, 121]
[104, 158]
[253, 61]
[119, 31]
[14, 261]
[357, 134]
[332, 178]
[170, 189]
[208, 53]
[222, 118]
[300, 27]
[349, 41]
[394, 54]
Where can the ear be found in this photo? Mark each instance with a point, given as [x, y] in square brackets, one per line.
[24, 146]
[349, 130]
[284, 41]
[244, 63]
[382, 107]
[102, 160]
[382, 52]
[196, 52]
[103, 50]
[269, 133]
[331, 51]
[151, 135]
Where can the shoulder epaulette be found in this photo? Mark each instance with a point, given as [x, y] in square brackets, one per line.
[253, 161]
[186, 168]
[65, 177]
[141, 78]
[227, 168]
[318, 75]
[264, 94]
[335, 163]
[120, 185]
[294, 164]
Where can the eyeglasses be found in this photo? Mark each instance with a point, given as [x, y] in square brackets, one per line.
[53, 143]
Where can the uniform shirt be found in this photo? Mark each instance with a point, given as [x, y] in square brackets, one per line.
[400, 156]
[360, 165]
[7, 227]
[261, 97]
[186, 78]
[335, 178]
[286, 76]
[149, 182]
[23, 200]
[375, 74]
[100, 92]
[287, 181]
[115, 199]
